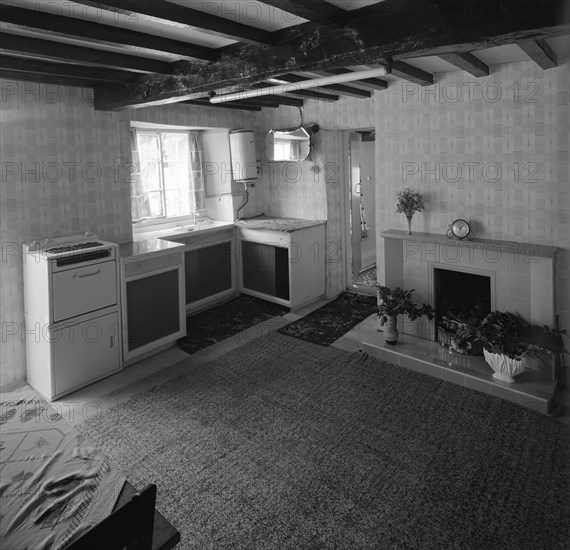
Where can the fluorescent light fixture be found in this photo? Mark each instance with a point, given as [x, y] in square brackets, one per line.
[292, 87]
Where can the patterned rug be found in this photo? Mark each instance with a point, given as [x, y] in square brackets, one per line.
[367, 277]
[216, 324]
[328, 323]
[283, 444]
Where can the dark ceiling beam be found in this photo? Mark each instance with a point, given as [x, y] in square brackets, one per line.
[17, 19]
[48, 49]
[540, 52]
[412, 74]
[182, 17]
[390, 30]
[48, 79]
[467, 62]
[318, 11]
[230, 105]
[339, 88]
[37, 66]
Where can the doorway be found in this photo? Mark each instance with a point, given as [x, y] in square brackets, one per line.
[362, 223]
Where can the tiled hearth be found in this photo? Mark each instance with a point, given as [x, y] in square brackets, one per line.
[531, 389]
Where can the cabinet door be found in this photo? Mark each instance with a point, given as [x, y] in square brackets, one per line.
[208, 271]
[153, 308]
[258, 267]
[85, 352]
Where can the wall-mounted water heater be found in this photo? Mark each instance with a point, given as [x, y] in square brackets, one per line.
[242, 147]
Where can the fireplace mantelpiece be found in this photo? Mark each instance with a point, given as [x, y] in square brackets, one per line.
[526, 251]
[523, 274]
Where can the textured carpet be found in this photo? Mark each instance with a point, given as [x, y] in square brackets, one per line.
[216, 324]
[283, 444]
[328, 323]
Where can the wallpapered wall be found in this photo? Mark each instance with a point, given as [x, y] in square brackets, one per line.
[65, 171]
[493, 150]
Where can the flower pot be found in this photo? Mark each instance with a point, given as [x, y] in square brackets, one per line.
[391, 333]
[504, 367]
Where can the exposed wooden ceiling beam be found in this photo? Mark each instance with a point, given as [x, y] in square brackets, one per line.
[17, 19]
[540, 52]
[231, 105]
[413, 74]
[182, 17]
[372, 36]
[36, 66]
[19, 76]
[467, 62]
[48, 49]
[339, 88]
[318, 11]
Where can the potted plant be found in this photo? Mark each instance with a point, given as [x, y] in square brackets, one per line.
[409, 202]
[392, 303]
[508, 340]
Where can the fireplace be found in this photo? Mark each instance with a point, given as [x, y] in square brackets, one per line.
[461, 302]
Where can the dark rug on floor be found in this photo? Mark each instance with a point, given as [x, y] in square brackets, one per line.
[366, 277]
[225, 320]
[283, 444]
[328, 323]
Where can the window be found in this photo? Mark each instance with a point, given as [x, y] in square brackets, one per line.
[168, 182]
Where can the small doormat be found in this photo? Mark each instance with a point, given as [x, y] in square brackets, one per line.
[366, 277]
[328, 323]
[216, 324]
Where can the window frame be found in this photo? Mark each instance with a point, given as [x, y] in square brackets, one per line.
[161, 220]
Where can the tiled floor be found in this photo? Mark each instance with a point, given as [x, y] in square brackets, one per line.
[173, 362]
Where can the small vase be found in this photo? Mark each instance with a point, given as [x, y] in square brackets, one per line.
[391, 331]
[409, 218]
[505, 368]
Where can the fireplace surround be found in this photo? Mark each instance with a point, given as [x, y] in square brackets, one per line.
[521, 279]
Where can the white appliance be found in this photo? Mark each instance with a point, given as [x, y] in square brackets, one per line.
[242, 148]
[71, 304]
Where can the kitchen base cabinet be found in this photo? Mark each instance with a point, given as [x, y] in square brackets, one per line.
[208, 271]
[209, 265]
[287, 268]
[153, 304]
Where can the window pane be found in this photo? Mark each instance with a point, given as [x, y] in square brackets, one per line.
[156, 206]
[148, 146]
[174, 203]
[150, 176]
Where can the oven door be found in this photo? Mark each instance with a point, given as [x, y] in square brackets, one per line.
[83, 289]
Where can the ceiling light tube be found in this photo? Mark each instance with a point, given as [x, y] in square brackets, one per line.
[292, 87]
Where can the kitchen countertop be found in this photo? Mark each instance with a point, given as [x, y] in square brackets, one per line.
[271, 223]
[149, 244]
[158, 242]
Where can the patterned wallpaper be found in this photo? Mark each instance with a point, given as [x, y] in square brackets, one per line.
[65, 171]
[59, 177]
[493, 150]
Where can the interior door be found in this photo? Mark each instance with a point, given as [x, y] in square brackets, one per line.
[362, 194]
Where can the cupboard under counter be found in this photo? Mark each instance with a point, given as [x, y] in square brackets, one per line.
[285, 265]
